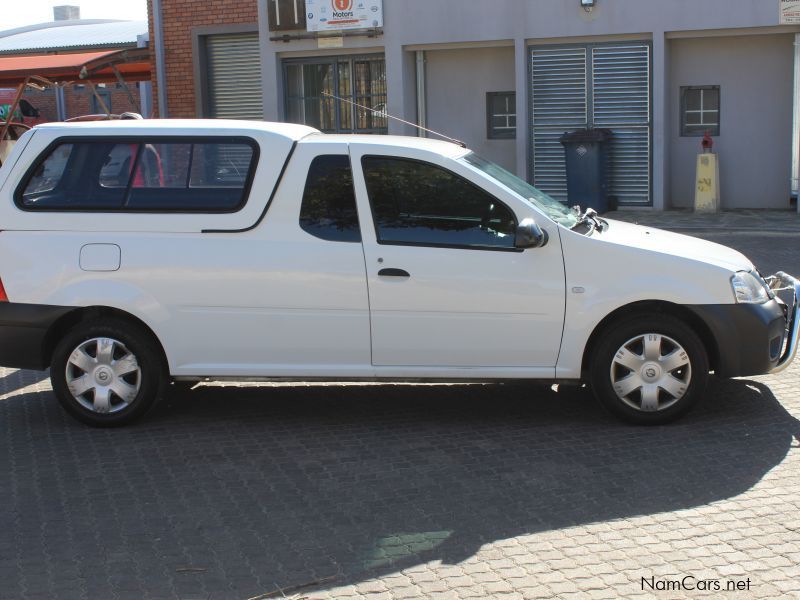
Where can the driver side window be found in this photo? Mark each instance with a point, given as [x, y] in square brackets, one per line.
[417, 203]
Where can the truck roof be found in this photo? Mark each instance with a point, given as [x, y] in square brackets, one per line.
[442, 147]
[183, 127]
[288, 131]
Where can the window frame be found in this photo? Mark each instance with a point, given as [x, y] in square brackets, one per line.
[491, 132]
[334, 60]
[19, 199]
[349, 160]
[713, 130]
[427, 244]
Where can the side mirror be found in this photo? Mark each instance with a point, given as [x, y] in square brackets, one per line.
[530, 235]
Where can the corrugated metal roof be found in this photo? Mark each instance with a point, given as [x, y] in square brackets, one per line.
[76, 34]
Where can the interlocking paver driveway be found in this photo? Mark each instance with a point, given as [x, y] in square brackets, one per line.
[381, 491]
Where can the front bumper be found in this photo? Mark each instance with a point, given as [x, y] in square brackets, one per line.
[782, 282]
[755, 339]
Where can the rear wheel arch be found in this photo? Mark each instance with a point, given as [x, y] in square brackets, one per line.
[650, 307]
[66, 322]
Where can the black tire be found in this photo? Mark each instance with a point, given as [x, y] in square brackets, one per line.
[131, 338]
[605, 365]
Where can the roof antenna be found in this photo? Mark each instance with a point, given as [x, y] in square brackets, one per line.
[385, 114]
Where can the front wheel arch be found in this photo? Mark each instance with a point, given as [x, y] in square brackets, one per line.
[649, 307]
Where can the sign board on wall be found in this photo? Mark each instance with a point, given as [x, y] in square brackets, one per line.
[338, 15]
[790, 12]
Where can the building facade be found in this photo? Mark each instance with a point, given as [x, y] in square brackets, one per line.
[509, 77]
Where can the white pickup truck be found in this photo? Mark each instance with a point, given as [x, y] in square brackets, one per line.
[133, 252]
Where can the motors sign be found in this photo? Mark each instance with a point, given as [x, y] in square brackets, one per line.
[790, 12]
[338, 15]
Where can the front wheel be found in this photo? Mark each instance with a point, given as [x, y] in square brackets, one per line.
[649, 369]
[107, 373]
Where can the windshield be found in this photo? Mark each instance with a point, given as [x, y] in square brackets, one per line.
[551, 207]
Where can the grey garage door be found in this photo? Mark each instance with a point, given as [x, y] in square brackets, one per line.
[594, 85]
[234, 76]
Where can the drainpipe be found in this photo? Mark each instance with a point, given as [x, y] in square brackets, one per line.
[61, 102]
[422, 114]
[796, 122]
[161, 67]
[145, 87]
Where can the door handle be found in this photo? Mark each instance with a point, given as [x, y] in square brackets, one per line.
[393, 273]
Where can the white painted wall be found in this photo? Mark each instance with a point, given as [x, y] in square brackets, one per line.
[456, 101]
[754, 146]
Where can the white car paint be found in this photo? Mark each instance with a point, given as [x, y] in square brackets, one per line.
[630, 263]
[460, 308]
[274, 301]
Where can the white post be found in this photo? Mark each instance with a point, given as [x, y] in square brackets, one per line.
[660, 121]
[61, 103]
[523, 87]
[795, 187]
[145, 87]
[422, 112]
[161, 61]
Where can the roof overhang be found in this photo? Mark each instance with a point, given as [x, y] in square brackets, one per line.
[97, 67]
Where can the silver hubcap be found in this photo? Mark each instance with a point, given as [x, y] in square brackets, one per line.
[103, 375]
[651, 372]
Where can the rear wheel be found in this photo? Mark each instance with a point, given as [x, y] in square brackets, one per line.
[107, 373]
[649, 369]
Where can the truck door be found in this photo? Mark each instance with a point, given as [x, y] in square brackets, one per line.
[447, 287]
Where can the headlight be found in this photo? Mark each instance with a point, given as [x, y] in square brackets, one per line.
[748, 289]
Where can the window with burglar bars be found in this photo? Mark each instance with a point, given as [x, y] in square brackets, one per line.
[310, 85]
[501, 115]
[700, 110]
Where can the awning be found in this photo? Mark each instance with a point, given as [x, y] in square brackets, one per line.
[110, 66]
[97, 67]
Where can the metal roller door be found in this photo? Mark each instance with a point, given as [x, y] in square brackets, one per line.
[596, 85]
[234, 76]
[560, 102]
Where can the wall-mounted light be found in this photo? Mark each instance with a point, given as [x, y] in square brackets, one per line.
[588, 5]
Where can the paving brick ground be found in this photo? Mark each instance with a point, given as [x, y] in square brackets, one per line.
[381, 491]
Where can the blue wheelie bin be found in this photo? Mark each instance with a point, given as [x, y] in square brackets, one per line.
[586, 152]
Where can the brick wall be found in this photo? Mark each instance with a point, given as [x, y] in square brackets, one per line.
[78, 100]
[180, 17]
[45, 101]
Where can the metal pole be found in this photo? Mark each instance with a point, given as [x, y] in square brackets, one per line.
[161, 64]
[124, 85]
[20, 91]
[422, 109]
[795, 183]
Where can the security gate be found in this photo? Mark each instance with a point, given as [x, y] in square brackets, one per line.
[234, 76]
[594, 85]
